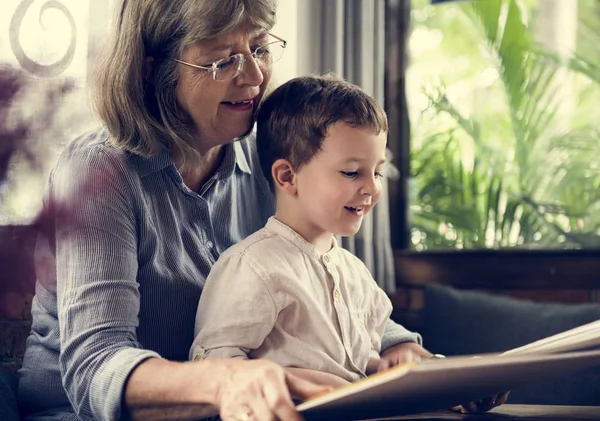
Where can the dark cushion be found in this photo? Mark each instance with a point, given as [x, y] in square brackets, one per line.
[466, 323]
[8, 396]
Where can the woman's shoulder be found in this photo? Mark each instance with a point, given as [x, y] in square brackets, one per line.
[90, 147]
[94, 152]
[91, 160]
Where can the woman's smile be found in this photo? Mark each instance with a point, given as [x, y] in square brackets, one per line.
[241, 105]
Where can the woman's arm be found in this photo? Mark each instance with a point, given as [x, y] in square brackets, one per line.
[98, 298]
[163, 390]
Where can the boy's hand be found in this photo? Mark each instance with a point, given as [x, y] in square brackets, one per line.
[482, 405]
[405, 352]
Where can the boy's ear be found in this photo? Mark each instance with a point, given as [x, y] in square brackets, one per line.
[284, 177]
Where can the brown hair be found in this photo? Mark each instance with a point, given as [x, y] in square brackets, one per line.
[140, 110]
[293, 120]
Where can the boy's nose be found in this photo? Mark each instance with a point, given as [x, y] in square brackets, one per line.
[372, 187]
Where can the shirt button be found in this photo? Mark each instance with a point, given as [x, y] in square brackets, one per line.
[209, 244]
[336, 294]
[326, 259]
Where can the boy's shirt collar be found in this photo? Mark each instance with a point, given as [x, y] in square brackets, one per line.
[279, 228]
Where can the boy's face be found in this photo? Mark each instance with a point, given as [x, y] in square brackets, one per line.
[342, 183]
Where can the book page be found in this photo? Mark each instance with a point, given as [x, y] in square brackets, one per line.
[579, 338]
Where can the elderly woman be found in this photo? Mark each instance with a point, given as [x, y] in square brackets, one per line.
[143, 208]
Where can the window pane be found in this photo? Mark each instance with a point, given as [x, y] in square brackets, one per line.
[504, 103]
[49, 53]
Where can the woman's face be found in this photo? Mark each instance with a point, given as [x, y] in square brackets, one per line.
[222, 110]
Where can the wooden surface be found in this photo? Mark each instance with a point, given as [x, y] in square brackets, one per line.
[502, 269]
[512, 412]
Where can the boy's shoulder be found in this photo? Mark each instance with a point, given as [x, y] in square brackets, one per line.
[256, 245]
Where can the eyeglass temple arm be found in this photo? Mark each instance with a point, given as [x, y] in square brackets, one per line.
[279, 39]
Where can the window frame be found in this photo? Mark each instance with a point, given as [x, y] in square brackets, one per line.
[482, 268]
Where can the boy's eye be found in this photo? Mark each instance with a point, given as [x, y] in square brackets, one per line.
[349, 174]
[378, 174]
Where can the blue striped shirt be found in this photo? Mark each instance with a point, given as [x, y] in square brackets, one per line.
[121, 273]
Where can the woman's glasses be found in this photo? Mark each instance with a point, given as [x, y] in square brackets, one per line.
[230, 67]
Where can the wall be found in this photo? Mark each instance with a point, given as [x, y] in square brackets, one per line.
[298, 22]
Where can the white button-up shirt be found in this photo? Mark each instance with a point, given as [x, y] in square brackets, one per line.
[274, 296]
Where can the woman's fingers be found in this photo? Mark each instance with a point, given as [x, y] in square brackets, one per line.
[260, 411]
[260, 390]
[278, 399]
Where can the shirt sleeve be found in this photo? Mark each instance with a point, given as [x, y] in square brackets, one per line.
[237, 309]
[97, 290]
[384, 332]
[395, 334]
[380, 310]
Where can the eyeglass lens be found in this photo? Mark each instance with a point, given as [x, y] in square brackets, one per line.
[231, 66]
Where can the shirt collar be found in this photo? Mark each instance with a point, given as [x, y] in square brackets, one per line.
[240, 157]
[154, 163]
[276, 226]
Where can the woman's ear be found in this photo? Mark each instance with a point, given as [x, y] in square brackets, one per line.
[284, 177]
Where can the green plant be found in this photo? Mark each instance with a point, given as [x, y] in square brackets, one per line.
[507, 174]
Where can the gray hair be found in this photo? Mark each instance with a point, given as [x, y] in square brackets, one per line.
[139, 109]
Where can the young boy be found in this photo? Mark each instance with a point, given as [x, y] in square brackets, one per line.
[288, 292]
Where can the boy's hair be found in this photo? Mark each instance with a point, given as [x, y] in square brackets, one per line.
[293, 120]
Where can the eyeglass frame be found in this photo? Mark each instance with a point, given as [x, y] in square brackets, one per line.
[213, 67]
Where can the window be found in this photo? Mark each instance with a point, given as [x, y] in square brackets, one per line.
[496, 149]
[50, 48]
[503, 99]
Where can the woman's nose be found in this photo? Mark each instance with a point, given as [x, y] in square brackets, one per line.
[251, 73]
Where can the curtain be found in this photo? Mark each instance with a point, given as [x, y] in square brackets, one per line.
[350, 38]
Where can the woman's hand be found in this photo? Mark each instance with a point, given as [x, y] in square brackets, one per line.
[482, 405]
[260, 390]
[402, 353]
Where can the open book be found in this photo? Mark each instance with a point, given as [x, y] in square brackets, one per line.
[439, 384]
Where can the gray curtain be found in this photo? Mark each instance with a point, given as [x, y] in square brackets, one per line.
[348, 39]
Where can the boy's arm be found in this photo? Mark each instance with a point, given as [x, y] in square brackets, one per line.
[236, 311]
[391, 343]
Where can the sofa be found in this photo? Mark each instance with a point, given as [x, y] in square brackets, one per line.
[459, 322]
[8, 396]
